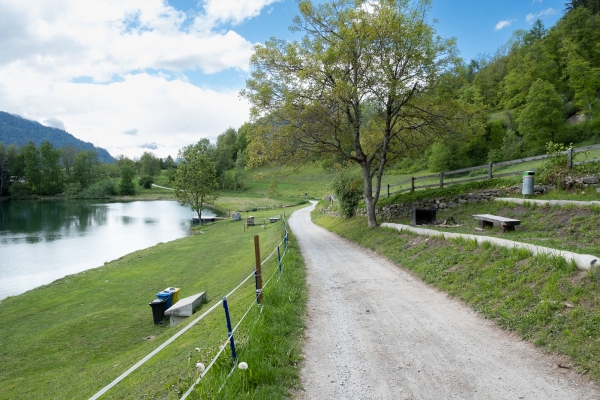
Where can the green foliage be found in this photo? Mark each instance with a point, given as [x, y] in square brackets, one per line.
[349, 187]
[146, 181]
[85, 168]
[149, 164]
[443, 157]
[195, 179]
[100, 190]
[543, 114]
[20, 190]
[273, 192]
[511, 148]
[126, 186]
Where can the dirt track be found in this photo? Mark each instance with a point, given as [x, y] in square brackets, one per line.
[377, 332]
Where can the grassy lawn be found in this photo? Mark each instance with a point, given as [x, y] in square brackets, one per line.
[560, 227]
[70, 338]
[544, 299]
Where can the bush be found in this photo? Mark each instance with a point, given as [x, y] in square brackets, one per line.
[349, 187]
[146, 181]
[19, 190]
[100, 190]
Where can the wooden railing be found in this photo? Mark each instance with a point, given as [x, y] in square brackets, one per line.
[387, 189]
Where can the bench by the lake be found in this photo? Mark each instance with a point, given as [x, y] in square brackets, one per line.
[505, 224]
[184, 308]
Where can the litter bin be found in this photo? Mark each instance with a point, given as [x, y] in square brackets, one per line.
[167, 296]
[158, 310]
[175, 292]
[527, 187]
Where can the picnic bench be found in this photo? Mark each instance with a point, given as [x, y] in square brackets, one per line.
[504, 224]
[274, 219]
[184, 308]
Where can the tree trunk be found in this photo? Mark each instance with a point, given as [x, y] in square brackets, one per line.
[369, 201]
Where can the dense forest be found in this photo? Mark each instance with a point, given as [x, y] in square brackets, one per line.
[46, 170]
[19, 131]
[542, 85]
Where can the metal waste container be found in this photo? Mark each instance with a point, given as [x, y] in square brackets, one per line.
[158, 310]
[527, 187]
[167, 297]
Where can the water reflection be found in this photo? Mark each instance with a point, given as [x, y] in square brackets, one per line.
[41, 241]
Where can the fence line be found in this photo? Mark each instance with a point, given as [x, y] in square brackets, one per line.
[198, 319]
[489, 167]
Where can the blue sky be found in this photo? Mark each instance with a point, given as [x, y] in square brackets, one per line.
[160, 74]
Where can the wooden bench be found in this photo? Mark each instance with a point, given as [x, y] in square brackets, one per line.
[184, 308]
[274, 219]
[505, 224]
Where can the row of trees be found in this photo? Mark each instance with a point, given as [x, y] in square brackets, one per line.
[47, 171]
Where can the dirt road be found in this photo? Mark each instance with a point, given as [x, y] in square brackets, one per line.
[377, 332]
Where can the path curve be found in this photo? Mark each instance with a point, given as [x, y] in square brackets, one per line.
[377, 332]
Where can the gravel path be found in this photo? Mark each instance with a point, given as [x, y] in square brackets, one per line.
[376, 332]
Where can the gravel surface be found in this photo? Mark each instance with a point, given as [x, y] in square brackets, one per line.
[376, 332]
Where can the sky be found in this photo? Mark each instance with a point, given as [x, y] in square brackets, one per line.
[157, 75]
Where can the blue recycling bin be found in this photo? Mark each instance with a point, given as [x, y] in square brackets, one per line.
[167, 296]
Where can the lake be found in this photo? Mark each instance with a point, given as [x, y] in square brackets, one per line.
[41, 241]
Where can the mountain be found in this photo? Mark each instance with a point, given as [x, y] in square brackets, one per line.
[17, 130]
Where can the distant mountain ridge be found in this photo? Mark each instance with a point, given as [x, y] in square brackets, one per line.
[19, 131]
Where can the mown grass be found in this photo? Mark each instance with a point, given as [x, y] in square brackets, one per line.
[568, 227]
[544, 299]
[70, 338]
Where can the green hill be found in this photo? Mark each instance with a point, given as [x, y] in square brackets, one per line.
[19, 131]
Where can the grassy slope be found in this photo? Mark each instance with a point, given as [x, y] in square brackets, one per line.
[545, 300]
[70, 338]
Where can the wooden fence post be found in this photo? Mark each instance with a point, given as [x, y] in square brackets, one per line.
[388, 190]
[441, 179]
[570, 157]
[258, 272]
[412, 183]
[490, 171]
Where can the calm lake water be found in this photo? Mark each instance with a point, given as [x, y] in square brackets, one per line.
[41, 241]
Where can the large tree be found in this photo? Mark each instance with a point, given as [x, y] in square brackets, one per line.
[359, 86]
[195, 179]
[542, 115]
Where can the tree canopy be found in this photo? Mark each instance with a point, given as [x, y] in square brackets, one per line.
[360, 85]
[195, 179]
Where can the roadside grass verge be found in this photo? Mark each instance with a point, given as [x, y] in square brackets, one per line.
[269, 341]
[72, 337]
[569, 228]
[544, 299]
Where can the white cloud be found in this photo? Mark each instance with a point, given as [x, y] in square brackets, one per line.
[546, 13]
[504, 24]
[231, 11]
[133, 56]
[131, 132]
[54, 123]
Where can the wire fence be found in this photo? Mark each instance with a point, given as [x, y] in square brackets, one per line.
[230, 337]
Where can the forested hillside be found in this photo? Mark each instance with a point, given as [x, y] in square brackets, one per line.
[20, 131]
[543, 85]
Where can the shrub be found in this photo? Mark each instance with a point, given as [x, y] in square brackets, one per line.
[99, 190]
[349, 187]
[19, 190]
[146, 181]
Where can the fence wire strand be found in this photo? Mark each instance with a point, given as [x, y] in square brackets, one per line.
[190, 325]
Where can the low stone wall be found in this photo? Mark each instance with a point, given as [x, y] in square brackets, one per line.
[392, 211]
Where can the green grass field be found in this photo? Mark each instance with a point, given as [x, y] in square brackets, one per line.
[70, 338]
